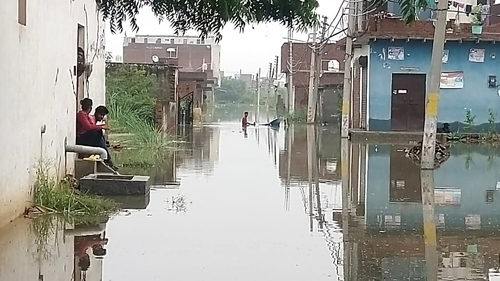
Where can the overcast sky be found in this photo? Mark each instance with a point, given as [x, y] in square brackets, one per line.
[248, 51]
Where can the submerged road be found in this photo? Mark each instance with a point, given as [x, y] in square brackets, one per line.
[237, 220]
[228, 206]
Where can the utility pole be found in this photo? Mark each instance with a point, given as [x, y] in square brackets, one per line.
[311, 101]
[270, 77]
[319, 69]
[431, 111]
[258, 96]
[291, 92]
[346, 96]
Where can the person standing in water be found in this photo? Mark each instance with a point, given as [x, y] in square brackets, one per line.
[244, 121]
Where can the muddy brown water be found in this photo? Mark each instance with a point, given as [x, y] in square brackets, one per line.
[226, 206]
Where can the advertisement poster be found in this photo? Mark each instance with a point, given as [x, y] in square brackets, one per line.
[396, 53]
[476, 55]
[452, 80]
[445, 56]
[447, 196]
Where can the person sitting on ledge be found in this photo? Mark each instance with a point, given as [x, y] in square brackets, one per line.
[90, 134]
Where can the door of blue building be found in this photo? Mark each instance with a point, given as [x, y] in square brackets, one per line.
[408, 102]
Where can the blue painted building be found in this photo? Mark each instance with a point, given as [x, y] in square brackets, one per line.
[389, 58]
[467, 191]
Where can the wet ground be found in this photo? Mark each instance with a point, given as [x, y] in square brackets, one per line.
[226, 205]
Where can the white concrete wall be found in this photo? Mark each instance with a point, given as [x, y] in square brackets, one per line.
[36, 89]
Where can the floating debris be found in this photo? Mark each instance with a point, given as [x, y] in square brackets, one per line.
[415, 154]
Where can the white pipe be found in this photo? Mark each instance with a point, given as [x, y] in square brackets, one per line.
[87, 149]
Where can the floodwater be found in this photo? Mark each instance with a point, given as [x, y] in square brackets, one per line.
[269, 205]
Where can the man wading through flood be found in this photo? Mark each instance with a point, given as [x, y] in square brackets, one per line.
[245, 123]
[88, 133]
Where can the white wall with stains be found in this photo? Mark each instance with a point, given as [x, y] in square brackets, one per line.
[37, 89]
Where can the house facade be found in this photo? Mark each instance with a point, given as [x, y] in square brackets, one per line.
[188, 53]
[391, 75]
[42, 86]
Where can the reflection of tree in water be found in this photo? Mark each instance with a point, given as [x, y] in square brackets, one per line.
[178, 204]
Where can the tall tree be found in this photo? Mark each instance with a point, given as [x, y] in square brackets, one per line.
[210, 16]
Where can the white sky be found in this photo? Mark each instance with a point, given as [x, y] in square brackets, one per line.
[248, 51]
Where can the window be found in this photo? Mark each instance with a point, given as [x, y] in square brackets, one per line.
[198, 41]
[171, 53]
[333, 66]
[184, 41]
[131, 40]
[172, 41]
[21, 12]
[158, 41]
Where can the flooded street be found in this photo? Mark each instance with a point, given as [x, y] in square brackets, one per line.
[226, 205]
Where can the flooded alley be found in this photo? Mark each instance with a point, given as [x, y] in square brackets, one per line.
[269, 205]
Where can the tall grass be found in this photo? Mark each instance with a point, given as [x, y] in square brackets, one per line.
[59, 197]
[131, 101]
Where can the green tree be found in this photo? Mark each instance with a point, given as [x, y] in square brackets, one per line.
[210, 16]
[233, 90]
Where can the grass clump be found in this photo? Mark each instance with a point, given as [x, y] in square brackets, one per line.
[299, 116]
[59, 197]
[131, 100]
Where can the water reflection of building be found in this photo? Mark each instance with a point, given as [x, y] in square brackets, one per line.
[202, 151]
[386, 222]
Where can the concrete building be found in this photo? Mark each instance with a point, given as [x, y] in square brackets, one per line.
[189, 53]
[391, 70]
[42, 86]
[332, 75]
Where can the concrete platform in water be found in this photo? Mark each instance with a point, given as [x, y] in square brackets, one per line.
[117, 185]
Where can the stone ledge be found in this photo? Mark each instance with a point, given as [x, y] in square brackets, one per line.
[109, 184]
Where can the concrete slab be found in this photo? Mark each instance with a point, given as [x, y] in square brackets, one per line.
[109, 184]
[140, 202]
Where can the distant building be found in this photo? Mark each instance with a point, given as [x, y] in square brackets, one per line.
[247, 78]
[189, 53]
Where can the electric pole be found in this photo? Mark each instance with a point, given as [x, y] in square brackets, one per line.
[311, 101]
[319, 70]
[270, 76]
[291, 92]
[346, 96]
[431, 111]
[258, 96]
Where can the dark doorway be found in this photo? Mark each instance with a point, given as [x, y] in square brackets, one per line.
[404, 179]
[408, 102]
[185, 106]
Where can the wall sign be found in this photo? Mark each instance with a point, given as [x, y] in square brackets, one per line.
[396, 53]
[446, 53]
[476, 55]
[452, 80]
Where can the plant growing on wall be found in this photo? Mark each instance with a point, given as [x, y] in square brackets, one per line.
[477, 15]
[469, 120]
[492, 123]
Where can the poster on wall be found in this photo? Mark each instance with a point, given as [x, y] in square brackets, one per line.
[476, 55]
[452, 80]
[396, 53]
[445, 56]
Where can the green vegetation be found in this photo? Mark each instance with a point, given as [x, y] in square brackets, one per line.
[59, 197]
[234, 91]
[299, 116]
[208, 17]
[131, 100]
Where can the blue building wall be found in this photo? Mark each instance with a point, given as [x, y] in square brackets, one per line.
[474, 171]
[453, 104]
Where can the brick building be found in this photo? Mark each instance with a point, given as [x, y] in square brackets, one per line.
[332, 66]
[198, 62]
